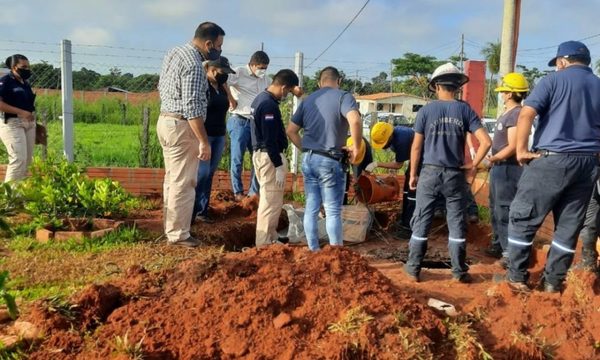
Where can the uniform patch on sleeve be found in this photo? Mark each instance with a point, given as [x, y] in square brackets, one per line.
[269, 116]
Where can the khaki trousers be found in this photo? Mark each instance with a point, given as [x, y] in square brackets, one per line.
[271, 199]
[180, 151]
[19, 138]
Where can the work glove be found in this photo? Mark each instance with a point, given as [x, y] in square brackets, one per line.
[473, 153]
[371, 166]
[280, 176]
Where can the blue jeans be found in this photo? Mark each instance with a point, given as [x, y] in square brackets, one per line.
[449, 183]
[324, 183]
[206, 170]
[504, 178]
[240, 142]
[562, 184]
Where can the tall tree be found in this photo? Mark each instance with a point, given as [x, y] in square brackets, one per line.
[532, 74]
[491, 53]
[417, 68]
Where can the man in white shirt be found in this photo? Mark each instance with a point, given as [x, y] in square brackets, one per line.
[247, 82]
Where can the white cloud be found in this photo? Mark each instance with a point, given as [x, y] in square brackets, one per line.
[91, 35]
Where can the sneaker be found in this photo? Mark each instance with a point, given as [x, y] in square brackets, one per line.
[239, 197]
[283, 239]
[411, 276]
[205, 219]
[190, 242]
[494, 251]
[464, 278]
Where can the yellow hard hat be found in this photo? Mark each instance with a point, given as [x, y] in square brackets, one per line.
[513, 82]
[380, 134]
[361, 151]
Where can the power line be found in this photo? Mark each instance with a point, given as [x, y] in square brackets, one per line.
[340, 35]
[554, 46]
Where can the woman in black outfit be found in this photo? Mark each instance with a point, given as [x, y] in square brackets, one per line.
[216, 72]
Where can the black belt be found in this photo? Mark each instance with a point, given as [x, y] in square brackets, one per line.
[552, 153]
[337, 156]
[506, 162]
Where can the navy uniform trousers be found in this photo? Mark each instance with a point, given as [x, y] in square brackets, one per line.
[561, 183]
[450, 183]
[589, 232]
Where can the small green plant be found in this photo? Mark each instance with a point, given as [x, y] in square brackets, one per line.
[536, 341]
[11, 202]
[123, 345]
[412, 346]
[352, 321]
[6, 297]
[400, 318]
[465, 340]
[58, 304]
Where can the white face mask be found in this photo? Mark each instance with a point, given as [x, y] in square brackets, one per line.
[260, 73]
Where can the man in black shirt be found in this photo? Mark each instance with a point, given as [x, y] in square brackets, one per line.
[269, 143]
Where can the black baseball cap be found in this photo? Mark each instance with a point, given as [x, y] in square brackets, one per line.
[221, 63]
[571, 49]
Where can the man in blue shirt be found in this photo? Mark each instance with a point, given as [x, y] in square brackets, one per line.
[269, 143]
[325, 116]
[441, 128]
[560, 172]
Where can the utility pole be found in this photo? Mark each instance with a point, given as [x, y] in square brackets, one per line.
[262, 46]
[462, 52]
[391, 77]
[510, 37]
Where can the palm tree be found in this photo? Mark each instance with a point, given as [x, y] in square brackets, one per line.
[491, 53]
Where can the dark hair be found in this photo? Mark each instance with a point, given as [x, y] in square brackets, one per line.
[578, 59]
[209, 31]
[13, 60]
[518, 96]
[259, 58]
[329, 73]
[286, 77]
[449, 87]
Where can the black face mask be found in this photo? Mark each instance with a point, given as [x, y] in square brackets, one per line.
[24, 73]
[221, 78]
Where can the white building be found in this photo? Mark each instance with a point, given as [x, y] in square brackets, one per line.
[398, 103]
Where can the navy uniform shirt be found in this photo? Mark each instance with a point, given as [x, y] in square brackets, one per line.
[322, 116]
[267, 127]
[568, 103]
[401, 141]
[16, 94]
[444, 125]
[507, 120]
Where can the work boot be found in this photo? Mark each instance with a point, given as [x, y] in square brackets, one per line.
[205, 219]
[464, 278]
[589, 261]
[520, 286]
[190, 242]
[412, 277]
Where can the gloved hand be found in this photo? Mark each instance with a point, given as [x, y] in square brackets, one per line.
[473, 153]
[280, 176]
[371, 166]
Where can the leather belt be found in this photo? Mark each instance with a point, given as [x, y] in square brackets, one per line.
[552, 153]
[330, 154]
[173, 115]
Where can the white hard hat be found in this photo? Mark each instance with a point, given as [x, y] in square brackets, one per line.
[447, 74]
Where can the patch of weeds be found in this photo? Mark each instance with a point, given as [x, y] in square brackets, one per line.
[535, 341]
[485, 215]
[134, 351]
[297, 197]
[12, 354]
[412, 347]
[6, 297]
[351, 322]
[400, 318]
[58, 304]
[579, 290]
[40, 291]
[465, 340]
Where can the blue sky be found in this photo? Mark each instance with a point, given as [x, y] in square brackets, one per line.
[133, 35]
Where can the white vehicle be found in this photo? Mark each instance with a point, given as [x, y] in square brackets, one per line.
[490, 126]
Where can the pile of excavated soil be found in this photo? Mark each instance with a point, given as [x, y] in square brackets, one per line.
[281, 302]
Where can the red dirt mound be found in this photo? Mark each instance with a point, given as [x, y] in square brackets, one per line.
[280, 302]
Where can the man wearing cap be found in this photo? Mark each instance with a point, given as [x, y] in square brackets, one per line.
[247, 82]
[505, 172]
[440, 131]
[269, 144]
[560, 171]
[180, 128]
[217, 72]
[325, 116]
[399, 140]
